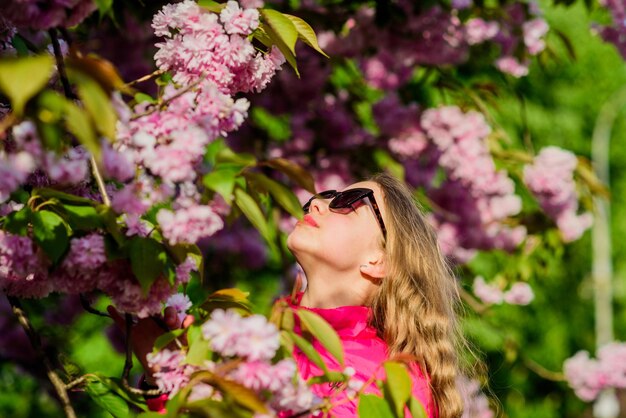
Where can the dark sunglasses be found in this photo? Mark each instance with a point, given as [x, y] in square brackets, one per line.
[343, 202]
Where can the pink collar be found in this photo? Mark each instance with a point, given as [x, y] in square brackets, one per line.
[347, 321]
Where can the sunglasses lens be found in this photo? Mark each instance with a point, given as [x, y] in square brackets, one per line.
[347, 198]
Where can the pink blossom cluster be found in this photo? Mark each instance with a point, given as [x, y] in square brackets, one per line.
[23, 267]
[252, 341]
[475, 402]
[252, 337]
[588, 376]
[550, 179]
[519, 293]
[475, 199]
[287, 390]
[24, 155]
[33, 14]
[189, 224]
[24, 272]
[199, 44]
[180, 303]
[171, 374]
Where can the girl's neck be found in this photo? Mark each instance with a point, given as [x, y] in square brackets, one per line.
[333, 292]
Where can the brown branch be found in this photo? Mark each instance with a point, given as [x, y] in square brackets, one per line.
[71, 385]
[86, 306]
[169, 99]
[58, 55]
[145, 78]
[35, 341]
[99, 182]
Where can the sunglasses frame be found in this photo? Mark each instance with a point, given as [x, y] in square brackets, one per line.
[361, 193]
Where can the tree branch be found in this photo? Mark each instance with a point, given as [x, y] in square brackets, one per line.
[35, 341]
[58, 55]
[86, 306]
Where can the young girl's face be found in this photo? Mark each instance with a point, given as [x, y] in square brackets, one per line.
[342, 240]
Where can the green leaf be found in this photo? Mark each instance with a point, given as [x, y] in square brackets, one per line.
[98, 104]
[397, 386]
[371, 406]
[143, 97]
[50, 234]
[199, 352]
[110, 223]
[17, 222]
[284, 37]
[283, 27]
[309, 351]
[295, 172]
[306, 33]
[78, 123]
[222, 181]
[104, 6]
[62, 196]
[386, 162]
[146, 261]
[244, 396]
[227, 155]
[211, 5]
[22, 78]
[324, 333]
[212, 150]
[253, 212]
[282, 195]
[164, 339]
[85, 218]
[277, 126]
[417, 409]
[107, 399]
[327, 377]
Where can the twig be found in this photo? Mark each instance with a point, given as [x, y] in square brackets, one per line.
[35, 341]
[472, 302]
[71, 385]
[86, 306]
[145, 78]
[128, 362]
[58, 55]
[99, 182]
[169, 99]
[542, 371]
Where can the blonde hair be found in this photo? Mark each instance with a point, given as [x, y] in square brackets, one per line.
[414, 308]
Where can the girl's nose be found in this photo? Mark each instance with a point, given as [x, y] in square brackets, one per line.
[319, 206]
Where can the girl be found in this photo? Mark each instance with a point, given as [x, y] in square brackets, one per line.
[375, 272]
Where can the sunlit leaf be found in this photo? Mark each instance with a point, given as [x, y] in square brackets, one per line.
[295, 172]
[98, 104]
[164, 339]
[417, 409]
[146, 261]
[305, 33]
[100, 69]
[78, 123]
[253, 212]
[283, 34]
[282, 195]
[309, 351]
[22, 78]
[107, 399]
[397, 386]
[222, 181]
[50, 234]
[371, 406]
[241, 394]
[84, 218]
[323, 332]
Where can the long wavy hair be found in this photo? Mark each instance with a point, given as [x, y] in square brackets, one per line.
[415, 307]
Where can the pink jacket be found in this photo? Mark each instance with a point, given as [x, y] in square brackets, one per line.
[364, 351]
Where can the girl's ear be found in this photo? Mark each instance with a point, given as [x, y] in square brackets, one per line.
[374, 269]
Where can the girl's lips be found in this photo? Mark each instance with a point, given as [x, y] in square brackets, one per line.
[308, 219]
